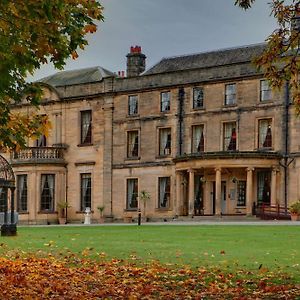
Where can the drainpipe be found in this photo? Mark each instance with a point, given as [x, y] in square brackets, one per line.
[286, 143]
[181, 94]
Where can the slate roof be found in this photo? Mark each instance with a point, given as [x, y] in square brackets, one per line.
[207, 59]
[87, 75]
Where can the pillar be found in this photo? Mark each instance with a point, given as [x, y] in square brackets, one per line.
[274, 186]
[191, 191]
[249, 191]
[218, 192]
[179, 200]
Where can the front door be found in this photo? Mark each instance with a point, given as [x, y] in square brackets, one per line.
[198, 192]
[263, 187]
[223, 192]
[213, 198]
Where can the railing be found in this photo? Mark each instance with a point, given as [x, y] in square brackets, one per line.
[38, 154]
[271, 212]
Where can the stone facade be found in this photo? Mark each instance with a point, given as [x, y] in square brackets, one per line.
[202, 134]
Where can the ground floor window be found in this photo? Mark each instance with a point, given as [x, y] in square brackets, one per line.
[263, 187]
[47, 192]
[241, 193]
[22, 193]
[132, 194]
[86, 191]
[164, 192]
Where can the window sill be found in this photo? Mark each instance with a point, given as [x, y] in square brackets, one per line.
[85, 145]
[130, 209]
[23, 212]
[83, 212]
[266, 149]
[132, 158]
[202, 108]
[163, 209]
[133, 116]
[163, 156]
[229, 105]
[262, 102]
[47, 212]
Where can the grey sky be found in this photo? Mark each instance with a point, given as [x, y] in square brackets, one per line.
[169, 27]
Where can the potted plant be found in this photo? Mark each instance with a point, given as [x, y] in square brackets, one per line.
[62, 212]
[101, 210]
[295, 211]
[144, 197]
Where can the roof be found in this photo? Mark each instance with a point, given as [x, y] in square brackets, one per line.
[87, 75]
[207, 59]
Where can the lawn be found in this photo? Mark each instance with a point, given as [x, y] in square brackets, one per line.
[230, 247]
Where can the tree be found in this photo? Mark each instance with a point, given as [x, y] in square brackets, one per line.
[280, 59]
[33, 33]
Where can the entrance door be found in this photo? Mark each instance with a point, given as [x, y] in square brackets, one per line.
[263, 187]
[223, 192]
[213, 198]
[198, 192]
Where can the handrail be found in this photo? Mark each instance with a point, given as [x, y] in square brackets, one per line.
[272, 212]
[38, 153]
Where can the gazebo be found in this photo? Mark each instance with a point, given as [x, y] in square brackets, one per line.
[7, 188]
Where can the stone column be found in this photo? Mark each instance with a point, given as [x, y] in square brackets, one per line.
[179, 199]
[191, 191]
[249, 191]
[218, 206]
[273, 186]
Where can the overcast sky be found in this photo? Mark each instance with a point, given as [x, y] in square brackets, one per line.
[166, 28]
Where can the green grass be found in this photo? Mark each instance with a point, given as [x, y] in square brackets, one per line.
[230, 247]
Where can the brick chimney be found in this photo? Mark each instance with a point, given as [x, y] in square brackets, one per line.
[136, 61]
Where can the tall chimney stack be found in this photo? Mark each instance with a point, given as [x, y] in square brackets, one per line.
[136, 61]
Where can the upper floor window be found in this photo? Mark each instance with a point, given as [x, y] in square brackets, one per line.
[22, 199]
[132, 194]
[197, 97]
[132, 144]
[132, 105]
[265, 133]
[41, 141]
[165, 101]
[86, 127]
[230, 94]
[164, 192]
[229, 136]
[164, 141]
[197, 138]
[47, 192]
[265, 90]
[85, 191]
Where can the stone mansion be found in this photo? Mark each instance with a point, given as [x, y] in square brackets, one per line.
[202, 134]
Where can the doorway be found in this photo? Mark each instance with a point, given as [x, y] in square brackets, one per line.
[223, 198]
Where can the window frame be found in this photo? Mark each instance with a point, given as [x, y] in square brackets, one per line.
[87, 139]
[200, 144]
[197, 100]
[43, 201]
[88, 193]
[162, 101]
[230, 137]
[241, 193]
[22, 204]
[131, 156]
[136, 109]
[230, 98]
[167, 194]
[263, 91]
[260, 143]
[135, 193]
[167, 151]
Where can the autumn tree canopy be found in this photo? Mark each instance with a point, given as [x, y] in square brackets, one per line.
[280, 59]
[33, 33]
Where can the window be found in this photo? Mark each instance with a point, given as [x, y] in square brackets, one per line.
[263, 187]
[132, 194]
[197, 98]
[229, 134]
[265, 133]
[86, 127]
[165, 101]
[85, 191]
[132, 144]
[132, 105]
[22, 193]
[164, 192]
[47, 192]
[198, 138]
[265, 91]
[41, 141]
[165, 141]
[57, 129]
[241, 191]
[230, 94]
[3, 201]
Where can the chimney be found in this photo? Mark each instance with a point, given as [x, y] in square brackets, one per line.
[136, 61]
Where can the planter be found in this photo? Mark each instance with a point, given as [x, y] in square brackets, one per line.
[62, 220]
[295, 217]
